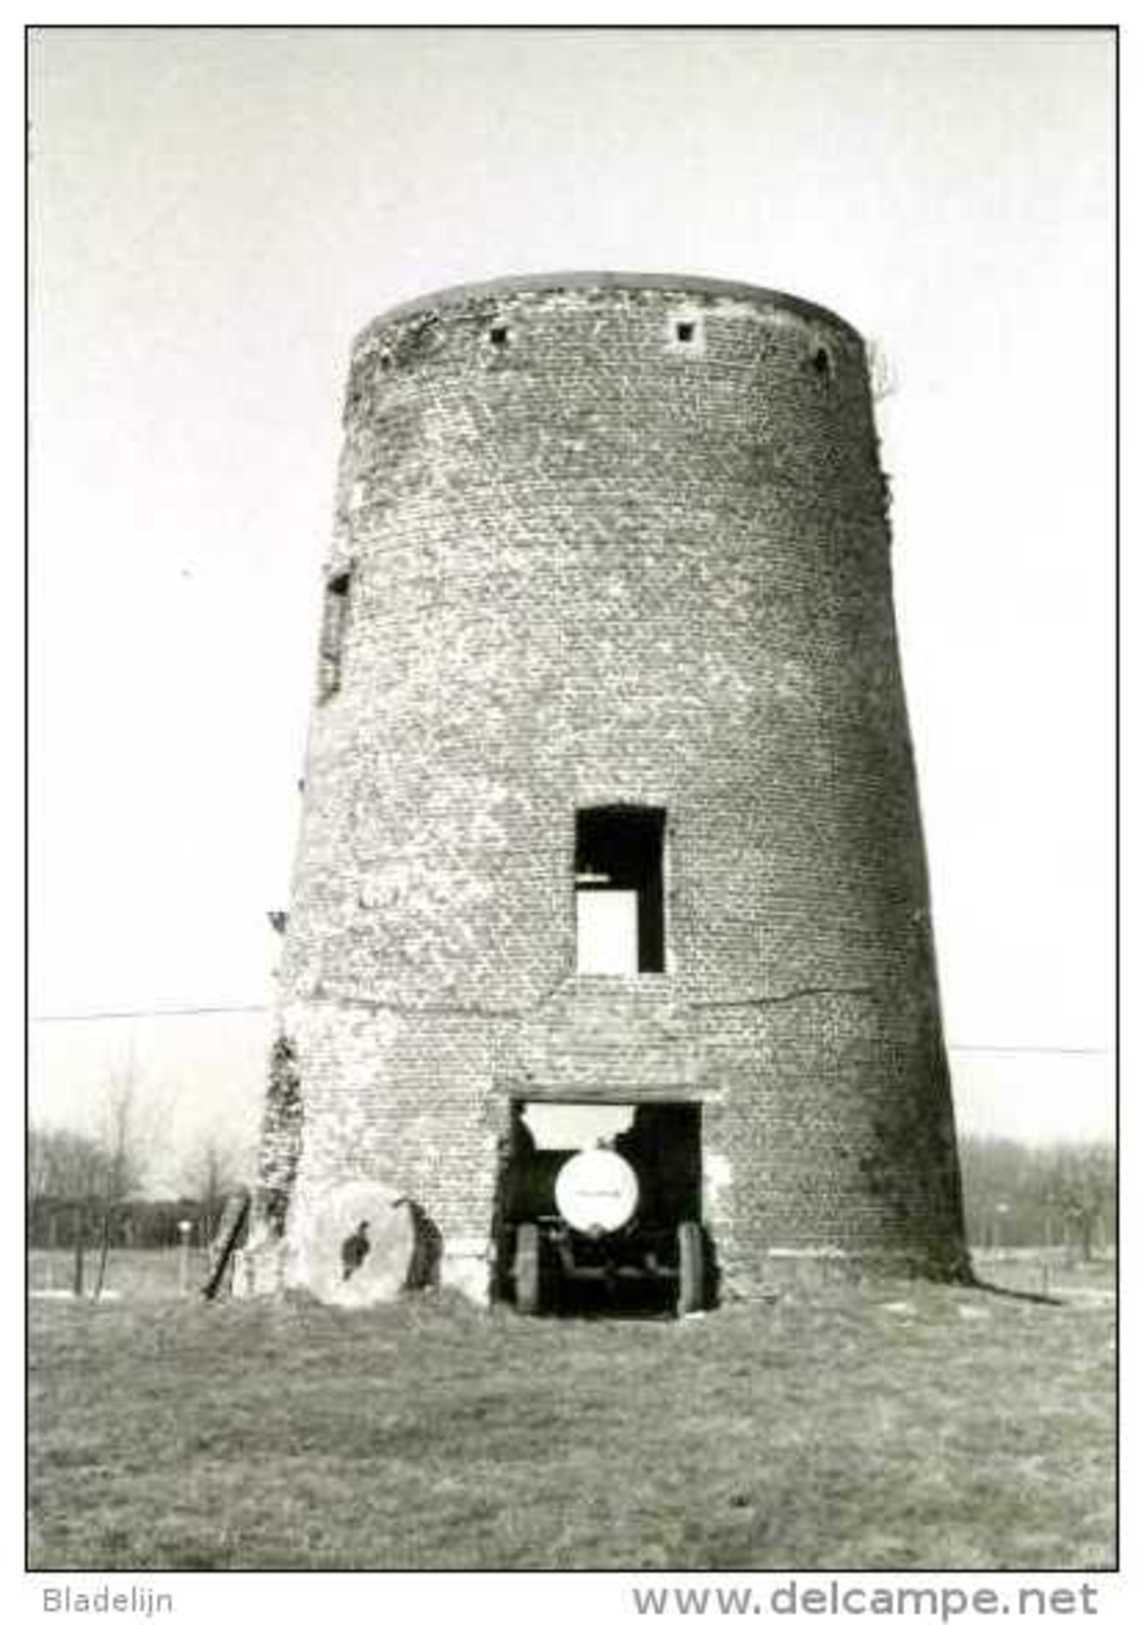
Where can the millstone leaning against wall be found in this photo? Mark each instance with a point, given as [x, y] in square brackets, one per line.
[609, 604]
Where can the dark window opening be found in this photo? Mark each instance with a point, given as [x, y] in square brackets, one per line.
[498, 335]
[619, 890]
[335, 611]
[821, 363]
[685, 332]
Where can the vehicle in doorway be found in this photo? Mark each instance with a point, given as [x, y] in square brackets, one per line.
[623, 1222]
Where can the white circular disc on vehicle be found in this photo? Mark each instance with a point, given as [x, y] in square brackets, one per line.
[597, 1190]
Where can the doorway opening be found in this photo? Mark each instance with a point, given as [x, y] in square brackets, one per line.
[599, 1208]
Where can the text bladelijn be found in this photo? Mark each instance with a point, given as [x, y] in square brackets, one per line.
[142, 1601]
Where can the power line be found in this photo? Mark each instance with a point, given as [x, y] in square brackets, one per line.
[130, 1015]
[1026, 1049]
[250, 1009]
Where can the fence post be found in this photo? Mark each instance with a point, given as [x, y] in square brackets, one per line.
[77, 1277]
[184, 1254]
[104, 1244]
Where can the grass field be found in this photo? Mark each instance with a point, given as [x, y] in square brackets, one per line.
[894, 1427]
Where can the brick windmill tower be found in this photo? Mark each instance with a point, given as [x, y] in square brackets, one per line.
[610, 805]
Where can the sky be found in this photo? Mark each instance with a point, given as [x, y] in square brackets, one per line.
[214, 214]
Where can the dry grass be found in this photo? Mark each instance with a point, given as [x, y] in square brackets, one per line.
[863, 1428]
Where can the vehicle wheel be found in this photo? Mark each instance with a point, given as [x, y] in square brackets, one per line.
[526, 1269]
[690, 1295]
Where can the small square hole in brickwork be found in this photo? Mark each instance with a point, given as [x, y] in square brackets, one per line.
[499, 335]
[685, 332]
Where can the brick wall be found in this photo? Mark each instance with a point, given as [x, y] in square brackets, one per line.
[619, 540]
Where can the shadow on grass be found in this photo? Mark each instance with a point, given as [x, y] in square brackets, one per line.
[976, 1284]
[592, 1300]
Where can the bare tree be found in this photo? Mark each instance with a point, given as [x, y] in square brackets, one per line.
[118, 1135]
[65, 1172]
[210, 1172]
[63, 1165]
[128, 1138]
[115, 1131]
[1081, 1189]
[1046, 1193]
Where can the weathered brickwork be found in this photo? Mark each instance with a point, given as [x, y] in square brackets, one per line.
[601, 541]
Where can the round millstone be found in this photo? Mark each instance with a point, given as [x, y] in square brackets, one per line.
[356, 1245]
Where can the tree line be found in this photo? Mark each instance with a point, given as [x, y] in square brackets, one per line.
[88, 1188]
[1019, 1195]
